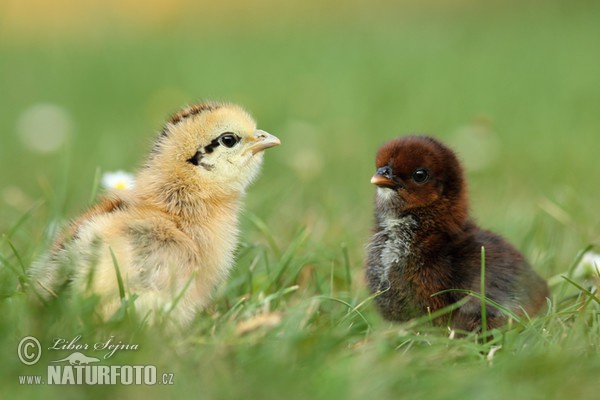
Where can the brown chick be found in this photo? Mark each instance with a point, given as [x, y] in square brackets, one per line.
[174, 233]
[424, 242]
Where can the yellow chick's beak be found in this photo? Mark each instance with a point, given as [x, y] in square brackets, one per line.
[263, 140]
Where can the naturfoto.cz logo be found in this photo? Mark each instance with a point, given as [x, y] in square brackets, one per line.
[80, 369]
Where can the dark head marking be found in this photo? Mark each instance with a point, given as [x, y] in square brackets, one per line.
[216, 142]
[196, 160]
[181, 115]
[187, 112]
[192, 110]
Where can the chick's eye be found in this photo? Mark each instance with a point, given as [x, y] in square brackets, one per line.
[420, 176]
[229, 140]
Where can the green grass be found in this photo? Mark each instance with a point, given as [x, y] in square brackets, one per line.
[333, 82]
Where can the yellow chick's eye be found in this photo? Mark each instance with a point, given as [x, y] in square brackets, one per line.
[229, 139]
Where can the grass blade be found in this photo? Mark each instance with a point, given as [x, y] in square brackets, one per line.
[118, 272]
[95, 185]
[181, 293]
[489, 301]
[265, 231]
[351, 309]
[23, 218]
[584, 290]
[288, 256]
[437, 313]
[346, 257]
[19, 259]
[482, 291]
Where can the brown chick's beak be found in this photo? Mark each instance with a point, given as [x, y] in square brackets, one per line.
[264, 140]
[381, 180]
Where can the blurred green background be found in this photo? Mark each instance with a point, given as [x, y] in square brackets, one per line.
[513, 86]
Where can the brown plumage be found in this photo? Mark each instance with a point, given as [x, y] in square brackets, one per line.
[424, 242]
[174, 233]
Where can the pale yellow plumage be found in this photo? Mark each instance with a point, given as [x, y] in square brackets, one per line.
[177, 227]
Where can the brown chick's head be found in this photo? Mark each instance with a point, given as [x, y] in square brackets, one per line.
[419, 174]
[211, 149]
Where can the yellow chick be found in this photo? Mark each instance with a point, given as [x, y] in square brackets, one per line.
[174, 233]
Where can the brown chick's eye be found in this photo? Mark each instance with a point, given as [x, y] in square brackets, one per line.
[229, 140]
[420, 176]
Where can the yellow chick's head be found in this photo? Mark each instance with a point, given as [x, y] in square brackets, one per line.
[207, 150]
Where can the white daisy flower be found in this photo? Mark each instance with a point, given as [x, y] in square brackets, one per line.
[119, 180]
[588, 267]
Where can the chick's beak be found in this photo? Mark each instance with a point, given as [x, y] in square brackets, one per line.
[381, 181]
[383, 177]
[263, 140]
